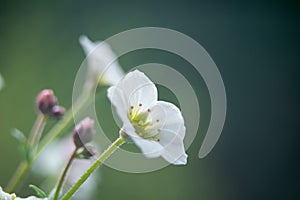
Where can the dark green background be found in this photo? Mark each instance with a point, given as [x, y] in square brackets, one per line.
[255, 45]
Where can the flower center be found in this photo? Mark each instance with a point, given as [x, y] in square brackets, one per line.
[142, 122]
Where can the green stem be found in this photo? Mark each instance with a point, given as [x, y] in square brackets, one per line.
[63, 175]
[36, 132]
[118, 142]
[23, 168]
[17, 177]
[33, 141]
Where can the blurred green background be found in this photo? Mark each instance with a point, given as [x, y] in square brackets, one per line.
[255, 45]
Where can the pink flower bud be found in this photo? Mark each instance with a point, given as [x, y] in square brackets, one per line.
[83, 132]
[45, 101]
[57, 111]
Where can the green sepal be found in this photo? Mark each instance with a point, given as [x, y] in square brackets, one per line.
[39, 191]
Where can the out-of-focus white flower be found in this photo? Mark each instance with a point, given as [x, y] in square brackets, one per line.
[52, 161]
[103, 67]
[6, 196]
[1, 82]
[156, 127]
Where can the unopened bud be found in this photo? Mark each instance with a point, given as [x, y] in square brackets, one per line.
[45, 101]
[83, 132]
[58, 111]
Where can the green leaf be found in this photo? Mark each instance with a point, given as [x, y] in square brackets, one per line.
[38, 191]
[23, 145]
[19, 135]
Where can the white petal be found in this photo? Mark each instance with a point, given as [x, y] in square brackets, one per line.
[102, 61]
[182, 160]
[137, 89]
[166, 116]
[174, 151]
[169, 124]
[86, 44]
[117, 98]
[149, 148]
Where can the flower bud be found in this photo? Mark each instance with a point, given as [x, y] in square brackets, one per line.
[45, 101]
[57, 111]
[83, 132]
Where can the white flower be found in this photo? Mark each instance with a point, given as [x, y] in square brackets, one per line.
[156, 127]
[102, 63]
[6, 196]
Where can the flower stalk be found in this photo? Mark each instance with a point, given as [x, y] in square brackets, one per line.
[33, 141]
[17, 177]
[37, 131]
[63, 175]
[117, 143]
[57, 130]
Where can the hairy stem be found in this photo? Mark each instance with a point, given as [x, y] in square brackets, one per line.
[63, 175]
[118, 142]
